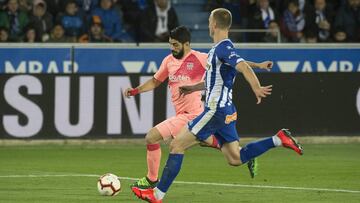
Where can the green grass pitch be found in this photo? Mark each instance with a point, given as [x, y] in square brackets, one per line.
[68, 174]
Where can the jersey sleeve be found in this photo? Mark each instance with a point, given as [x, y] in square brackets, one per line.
[163, 71]
[228, 54]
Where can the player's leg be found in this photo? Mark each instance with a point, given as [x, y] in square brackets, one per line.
[256, 148]
[153, 157]
[212, 142]
[183, 141]
[162, 131]
[231, 153]
[202, 126]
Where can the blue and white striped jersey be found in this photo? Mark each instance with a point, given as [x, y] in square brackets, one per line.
[220, 74]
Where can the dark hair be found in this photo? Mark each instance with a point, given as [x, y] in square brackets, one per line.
[294, 2]
[71, 2]
[181, 34]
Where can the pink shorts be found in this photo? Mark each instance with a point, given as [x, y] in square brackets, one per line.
[172, 126]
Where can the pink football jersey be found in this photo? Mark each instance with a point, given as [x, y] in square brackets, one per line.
[187, 71]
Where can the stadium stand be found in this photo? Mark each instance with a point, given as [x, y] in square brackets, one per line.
[324, 20]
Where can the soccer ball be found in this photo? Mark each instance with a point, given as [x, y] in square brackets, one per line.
[109, 185]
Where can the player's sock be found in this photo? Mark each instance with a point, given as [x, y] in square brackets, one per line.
[277, 141]
[215, 142]
[170, 171]
[255, 149]
[153, 161]
[158, 193]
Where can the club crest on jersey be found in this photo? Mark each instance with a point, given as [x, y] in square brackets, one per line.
[233, 54]
[189, 66]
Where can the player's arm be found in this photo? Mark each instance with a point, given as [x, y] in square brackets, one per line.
[187, 89]
[147, 86]
[260, 92]
[267, 65]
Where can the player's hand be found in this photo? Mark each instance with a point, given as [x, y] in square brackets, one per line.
[131, 92]
[262, 92]
[127, 92]
[267, 65]
[184, 90]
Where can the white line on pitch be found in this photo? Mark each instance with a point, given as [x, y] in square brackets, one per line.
[189, 183]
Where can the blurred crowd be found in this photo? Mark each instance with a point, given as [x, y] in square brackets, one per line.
[150, 20]
[84, 20]
[298, 20]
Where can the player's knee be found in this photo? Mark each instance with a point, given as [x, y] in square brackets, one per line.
[234, 160]
[152, 137]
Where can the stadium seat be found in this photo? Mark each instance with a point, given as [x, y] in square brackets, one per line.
[192, 14]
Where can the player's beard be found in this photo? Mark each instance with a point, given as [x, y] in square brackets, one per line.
[178, 55]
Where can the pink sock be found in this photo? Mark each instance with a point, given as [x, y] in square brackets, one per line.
[215, 142]
[153, 161]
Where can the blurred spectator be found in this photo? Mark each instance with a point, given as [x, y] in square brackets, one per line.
[112, 21]
[293, 22]
[340, 34]
[234, 7]
[87, 5]
[2, 4]
[347, 22]
[261, 16]
[30, 34]
[213, 4]
[311, 36]
[55, 7]
[14, 20]
[132, 10]
[273, 35]
[58, 35]
[324, 17]
[42, 20]
[25, 5]
[96, 33]
[156, 22]
[72, 20]
[237, 8]
[4, 34]
[304, 5]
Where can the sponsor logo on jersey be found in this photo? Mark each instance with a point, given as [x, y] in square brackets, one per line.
[231, 118]
[178, 78]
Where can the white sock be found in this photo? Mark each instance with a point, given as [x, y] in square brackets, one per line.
[277, 141]
[159, 194]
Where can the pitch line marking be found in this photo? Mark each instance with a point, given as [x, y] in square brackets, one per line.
[190, 183]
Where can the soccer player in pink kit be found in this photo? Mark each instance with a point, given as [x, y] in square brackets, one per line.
[183, 67]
